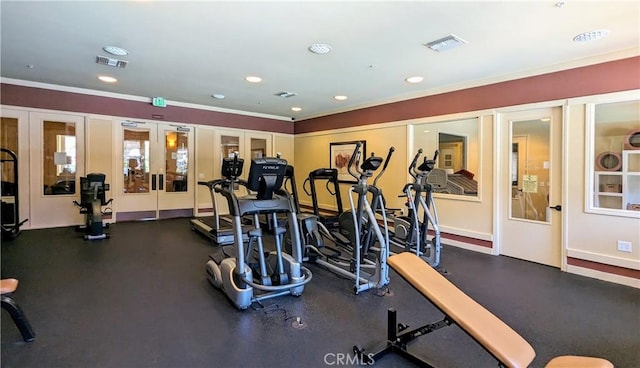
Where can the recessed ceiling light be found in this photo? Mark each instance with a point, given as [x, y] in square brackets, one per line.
[296, 109]
[253, 79]
[446, 43]
[218, 96]
[591, 36]
[415, 79]
[340, 97]
[320, 48]
[107, 79]
[114, 50]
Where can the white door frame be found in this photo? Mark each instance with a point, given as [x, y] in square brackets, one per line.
[499, 187]
[47, 211]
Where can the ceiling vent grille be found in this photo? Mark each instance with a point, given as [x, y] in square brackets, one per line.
[103, 60]
[446, 43]
[285, 94]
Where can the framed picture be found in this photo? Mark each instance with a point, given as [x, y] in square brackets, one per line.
[340, 155]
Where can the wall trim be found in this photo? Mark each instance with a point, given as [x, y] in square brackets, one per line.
[605, 276]
[613, 261]
[467, 246]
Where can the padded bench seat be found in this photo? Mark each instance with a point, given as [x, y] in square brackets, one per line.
[8, 286]
[495, 336]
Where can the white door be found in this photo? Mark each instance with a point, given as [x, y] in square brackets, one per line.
[155, 175]
[56, 165]
[530, 185]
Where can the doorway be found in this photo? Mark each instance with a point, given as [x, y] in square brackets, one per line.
[154, 171]
[56, 165]
[530, 185]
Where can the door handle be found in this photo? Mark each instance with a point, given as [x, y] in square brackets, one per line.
[153, 181]
[161, 182]
[557, 207]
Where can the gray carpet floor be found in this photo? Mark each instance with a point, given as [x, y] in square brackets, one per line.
[141, 299]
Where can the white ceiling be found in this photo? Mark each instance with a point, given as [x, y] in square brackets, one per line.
[187, 51]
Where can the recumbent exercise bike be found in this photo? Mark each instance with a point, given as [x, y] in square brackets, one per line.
[92, 199]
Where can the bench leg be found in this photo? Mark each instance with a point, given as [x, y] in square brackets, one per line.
[18, 318]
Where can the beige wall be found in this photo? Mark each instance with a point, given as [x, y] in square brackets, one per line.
[284, 144]
[98, 148]
[312, 152]
[205, 153]
[593, 236]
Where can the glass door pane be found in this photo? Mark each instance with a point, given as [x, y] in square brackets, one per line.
[135, 151]
[59, 158]
[228, 145]
[176, 160]
[8, 140]
[530, 168]
[258, 147]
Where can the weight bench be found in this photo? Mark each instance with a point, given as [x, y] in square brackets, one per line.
[8, 286]
[498, 339]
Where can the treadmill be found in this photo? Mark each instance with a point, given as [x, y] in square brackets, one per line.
[219, 228]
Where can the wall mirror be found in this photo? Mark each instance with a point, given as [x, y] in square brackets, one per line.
[459, 146]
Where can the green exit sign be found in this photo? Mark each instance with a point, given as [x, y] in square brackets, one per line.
[159, 102]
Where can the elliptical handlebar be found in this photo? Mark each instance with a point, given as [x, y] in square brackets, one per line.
[425, 167]
[412, 166]
[384, 167]
[354, 157]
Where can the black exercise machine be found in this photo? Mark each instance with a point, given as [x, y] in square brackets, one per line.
[10, 202]
[219, 228]
[248, 273]
[412, 232]
[92, 199]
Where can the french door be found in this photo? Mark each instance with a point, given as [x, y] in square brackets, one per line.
[530, 185]
[153, 170]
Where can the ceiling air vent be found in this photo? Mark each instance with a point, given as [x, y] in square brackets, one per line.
[285, 94]
[446, 43]
[111, 62]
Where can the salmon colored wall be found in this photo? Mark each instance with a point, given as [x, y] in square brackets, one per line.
[618, 75]
[76, 102]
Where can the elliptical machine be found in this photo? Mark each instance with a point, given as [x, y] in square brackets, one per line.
[220, 229]
[410, 232]
[366, 264]
[241, 272]
[92, 199]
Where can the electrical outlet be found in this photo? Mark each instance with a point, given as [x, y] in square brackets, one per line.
[624, 246]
